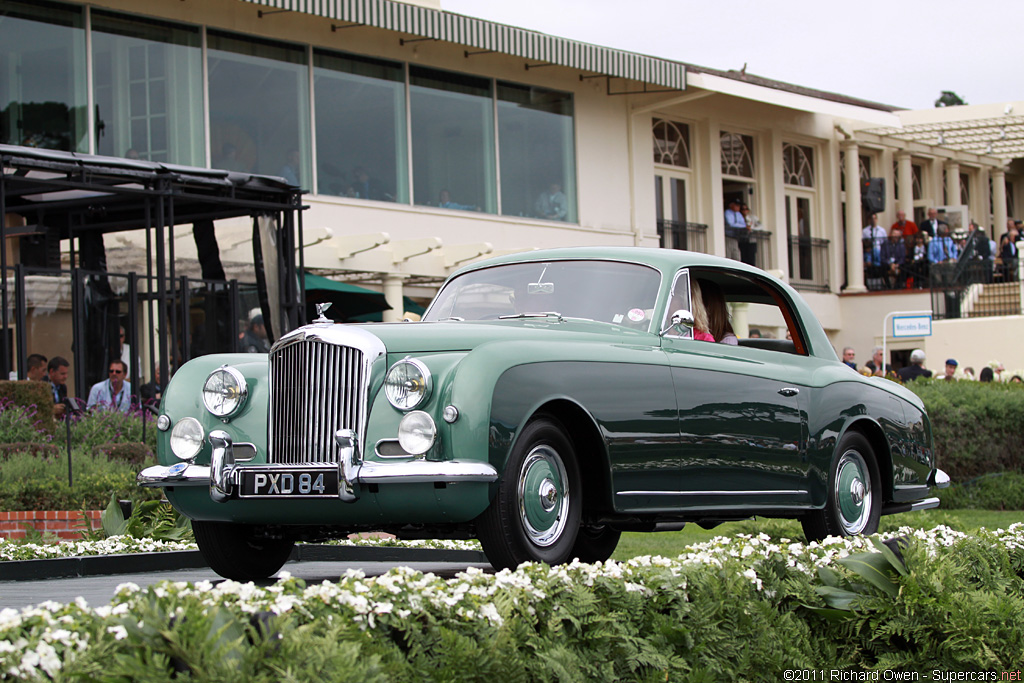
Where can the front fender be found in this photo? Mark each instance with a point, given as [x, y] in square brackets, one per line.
[183, 397]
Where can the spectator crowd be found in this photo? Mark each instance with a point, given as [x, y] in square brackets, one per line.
[993, 371]
[909, 256]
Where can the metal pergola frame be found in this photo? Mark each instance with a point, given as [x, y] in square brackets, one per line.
[64, 195]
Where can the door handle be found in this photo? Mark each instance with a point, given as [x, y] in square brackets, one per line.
[789, 391]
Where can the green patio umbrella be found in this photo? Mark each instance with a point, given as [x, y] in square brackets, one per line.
[348, 301]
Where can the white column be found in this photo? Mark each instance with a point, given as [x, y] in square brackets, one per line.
[854, 229]
[740, 326]
[393, 295]
[999, 203]
[774, 190]
[952, 183]
[905, 173]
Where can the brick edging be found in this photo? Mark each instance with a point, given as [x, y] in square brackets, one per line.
[64, 524]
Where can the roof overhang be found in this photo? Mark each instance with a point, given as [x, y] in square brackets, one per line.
[489, 36]
[781, 98]
[991, 141]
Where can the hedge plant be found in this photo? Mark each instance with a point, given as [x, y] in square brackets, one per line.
[976, 426]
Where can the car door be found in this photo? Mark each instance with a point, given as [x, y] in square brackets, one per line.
[742, 422]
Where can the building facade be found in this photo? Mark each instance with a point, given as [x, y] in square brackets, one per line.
[425, 140]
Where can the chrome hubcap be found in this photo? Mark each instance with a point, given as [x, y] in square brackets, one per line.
[548, 495]
[542, 496]
[853, 493]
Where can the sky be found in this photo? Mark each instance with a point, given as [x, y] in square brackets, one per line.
[898, 52]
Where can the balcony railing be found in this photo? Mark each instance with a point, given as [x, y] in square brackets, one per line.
[975, 289]
[760, 247]
[808, 263]
[680, 235]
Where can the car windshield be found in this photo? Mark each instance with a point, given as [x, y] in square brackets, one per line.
[604, 291]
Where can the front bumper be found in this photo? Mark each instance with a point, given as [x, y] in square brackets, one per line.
[222, 475]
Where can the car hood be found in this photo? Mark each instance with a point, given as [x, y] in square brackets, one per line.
[431, 337]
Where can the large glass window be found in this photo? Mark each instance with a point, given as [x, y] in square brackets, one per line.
[361, 147]
[259, 107]
[452, 140]
[148, 83]
[42, 76]
[537, 151]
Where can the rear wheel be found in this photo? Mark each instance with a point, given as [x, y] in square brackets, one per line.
[854, 503]
[241, 551]
[535, 515]
[595, 543]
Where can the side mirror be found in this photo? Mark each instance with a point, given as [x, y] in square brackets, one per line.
[681, 317]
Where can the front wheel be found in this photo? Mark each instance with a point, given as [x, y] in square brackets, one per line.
[535, 515]
[854, 503]
[241, 551]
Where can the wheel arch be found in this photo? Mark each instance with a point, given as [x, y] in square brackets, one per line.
[872, 431]
[590, 447]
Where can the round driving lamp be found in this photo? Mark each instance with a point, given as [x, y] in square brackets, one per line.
[224, 392]
[416, 432]
[407, 384]
[187, 438]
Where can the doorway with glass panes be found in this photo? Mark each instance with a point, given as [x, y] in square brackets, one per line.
[672, 199]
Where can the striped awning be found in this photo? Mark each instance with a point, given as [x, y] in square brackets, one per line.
[486, 35]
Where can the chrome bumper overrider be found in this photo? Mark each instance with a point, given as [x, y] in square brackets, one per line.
[938, 479]
[222, 475]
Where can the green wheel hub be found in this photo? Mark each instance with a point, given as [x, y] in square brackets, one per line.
[542, 496]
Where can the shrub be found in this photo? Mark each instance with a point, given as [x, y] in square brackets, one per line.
[996, 491]
[21, 423]
[131, 453]
[102, 427]
[29, 394]
[976, 426]
[31, 483]
[39, 450]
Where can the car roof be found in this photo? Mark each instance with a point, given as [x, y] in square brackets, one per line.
[668, 261]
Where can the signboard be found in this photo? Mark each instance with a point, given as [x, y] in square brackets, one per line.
[912, 326]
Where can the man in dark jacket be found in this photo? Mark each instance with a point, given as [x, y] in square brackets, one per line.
[916, 367]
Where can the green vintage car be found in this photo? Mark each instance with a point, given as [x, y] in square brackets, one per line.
[546, 402]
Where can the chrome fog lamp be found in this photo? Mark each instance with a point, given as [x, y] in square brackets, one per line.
[416, 432]
[163, 423]
[224, 392]
[407, 384]
[187, 438]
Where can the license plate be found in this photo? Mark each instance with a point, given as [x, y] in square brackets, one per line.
[289, 483]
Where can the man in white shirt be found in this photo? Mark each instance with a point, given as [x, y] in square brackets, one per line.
[735, 228]
[114, 393]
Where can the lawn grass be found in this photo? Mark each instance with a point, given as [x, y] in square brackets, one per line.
[672, 543]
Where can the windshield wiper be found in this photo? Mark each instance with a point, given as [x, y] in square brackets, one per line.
[455, 318]
[545, 314]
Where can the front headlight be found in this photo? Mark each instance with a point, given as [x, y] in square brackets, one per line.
[224, 392]
[187, 438]
[416, 432]
[407, 384]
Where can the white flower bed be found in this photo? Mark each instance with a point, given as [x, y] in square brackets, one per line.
[119, 545]
[39, 641]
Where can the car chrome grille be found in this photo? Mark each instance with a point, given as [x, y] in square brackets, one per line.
[316, 388]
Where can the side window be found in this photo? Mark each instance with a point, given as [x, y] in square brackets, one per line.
[679, 298]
